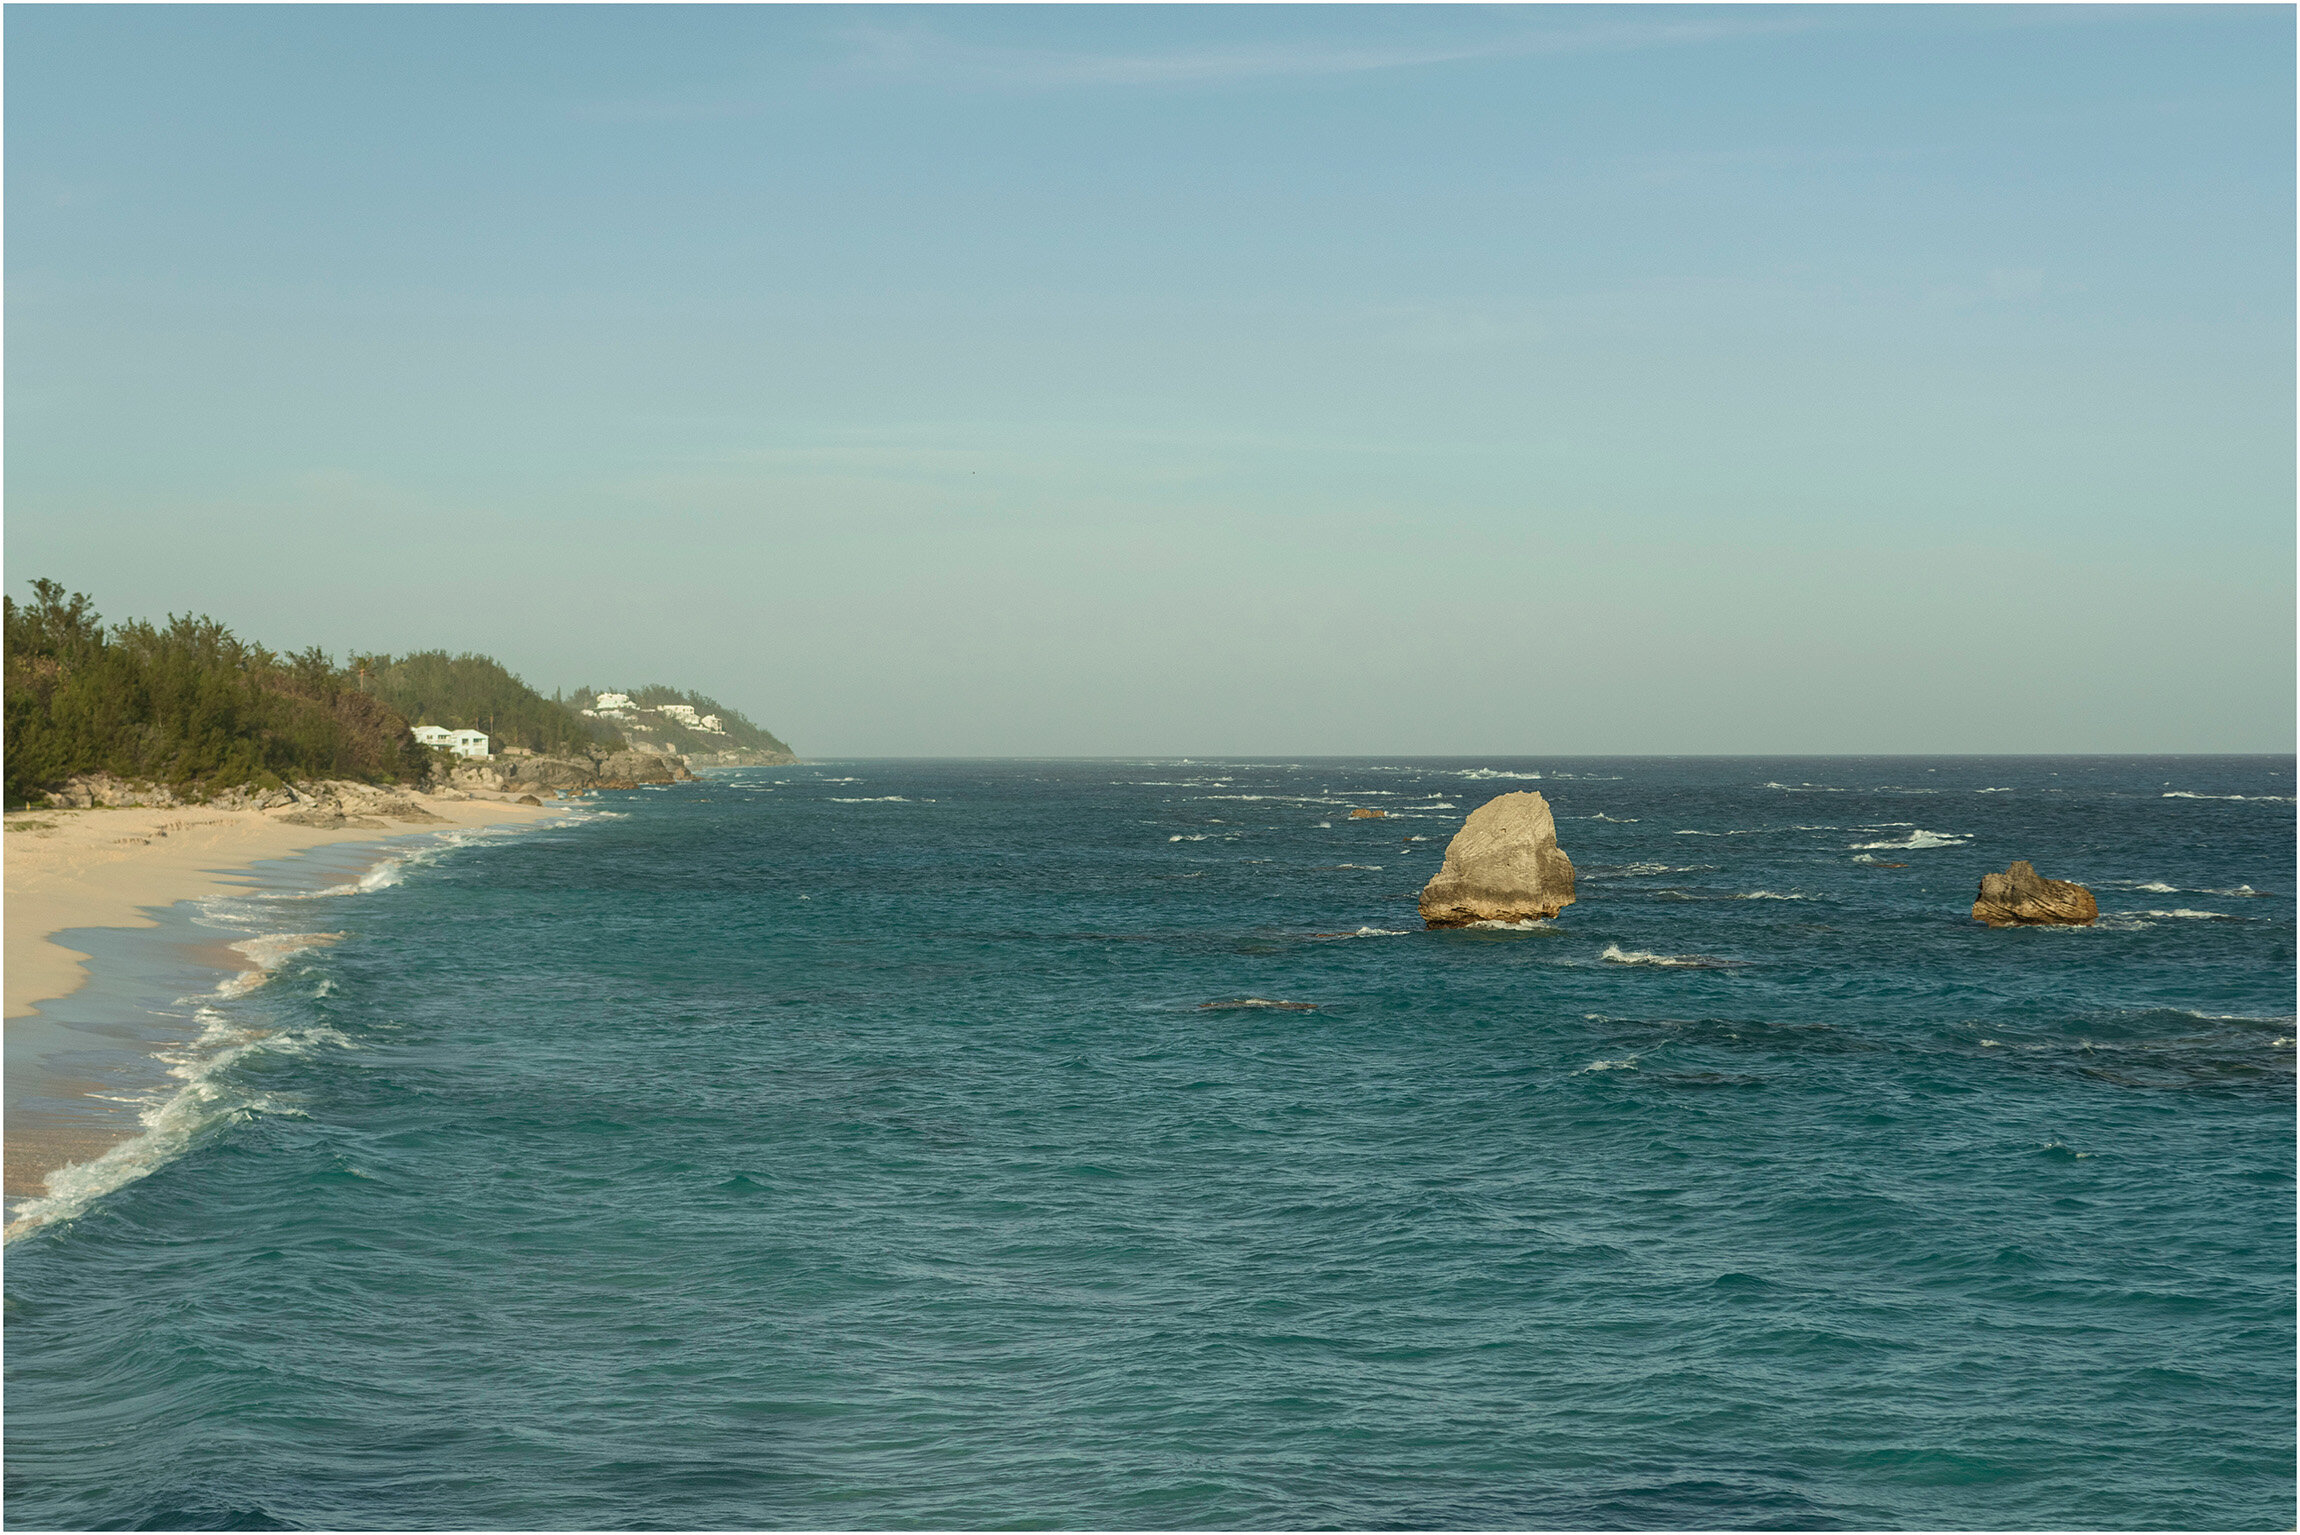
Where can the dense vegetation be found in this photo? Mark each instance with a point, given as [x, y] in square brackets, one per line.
[469, 692]
[739, 733]
[189, 705]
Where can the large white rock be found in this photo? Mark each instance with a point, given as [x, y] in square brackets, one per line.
[1504, 865]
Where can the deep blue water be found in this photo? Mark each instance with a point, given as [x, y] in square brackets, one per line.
[775, 1152]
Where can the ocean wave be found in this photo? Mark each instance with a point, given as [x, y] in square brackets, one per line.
[1374, 866]
[1372, 932]
[880, 799]
[1768, 895]
[2004, 790]
[1627, 1063]
[1918, 839]
[1616, 820]
[1486, 773]
[1528, 925]
[172, 1121]
[1620, 956]
[1283, 1007]
[2277, 799]
[1189, 836]
[2183, 911]
[265, 954]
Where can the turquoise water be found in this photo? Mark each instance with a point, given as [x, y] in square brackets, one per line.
[855, 1146]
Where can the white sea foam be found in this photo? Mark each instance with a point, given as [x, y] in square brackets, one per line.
[171, 1120]
[1485, 773]
[265, 954]
[1993, 791]
[2279, 799]
[2216, 916]
[1618, 820]
[878, 799]
[1768, 895]
[1371, 932]
[1528, 925]
[1918, 839]
[1620, 956]
[1627, 1063]
[1374, 866]
[1188, 836]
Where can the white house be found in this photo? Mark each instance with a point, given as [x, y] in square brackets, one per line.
[684, 713]
[464, 743]
[612, 701]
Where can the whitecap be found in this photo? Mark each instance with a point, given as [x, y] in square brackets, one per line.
[1918, 839]
[1627, 1063]
[882, 799]
[1484, 773]
[1621, 956]
[1768, 895]
[2279, 799]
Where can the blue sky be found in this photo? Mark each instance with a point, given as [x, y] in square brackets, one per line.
[1048, 380]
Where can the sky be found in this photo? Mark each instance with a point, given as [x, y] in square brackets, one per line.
[1188, 380]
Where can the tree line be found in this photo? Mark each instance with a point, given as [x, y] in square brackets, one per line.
[191, 705]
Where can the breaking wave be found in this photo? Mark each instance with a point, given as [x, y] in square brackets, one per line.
[1917, 839]
[2277, 799]
[1620, 956]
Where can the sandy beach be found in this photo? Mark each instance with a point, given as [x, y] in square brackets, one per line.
[107, 868]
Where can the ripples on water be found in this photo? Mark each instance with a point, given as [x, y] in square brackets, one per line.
[947, 1145]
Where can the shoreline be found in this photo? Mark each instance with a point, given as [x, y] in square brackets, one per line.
[129, 875]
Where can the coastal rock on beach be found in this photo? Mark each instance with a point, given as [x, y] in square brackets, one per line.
[335, 803]
[537, 775]
[2021, 897]
[1504, 865]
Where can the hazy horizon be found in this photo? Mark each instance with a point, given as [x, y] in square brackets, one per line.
[1157, 382]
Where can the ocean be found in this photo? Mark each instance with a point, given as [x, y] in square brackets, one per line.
[1104, 1144]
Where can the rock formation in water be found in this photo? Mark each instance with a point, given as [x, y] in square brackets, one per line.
[2021, 896]
[1368, 815]
[1504, 865]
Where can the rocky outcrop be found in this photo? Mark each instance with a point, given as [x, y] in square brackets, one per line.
[1369, 815]
[1504, 865]
[333, 804]
[2022, 897]
[89, 791]
[541, 775]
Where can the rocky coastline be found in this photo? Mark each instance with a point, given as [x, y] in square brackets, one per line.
[338, 802]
